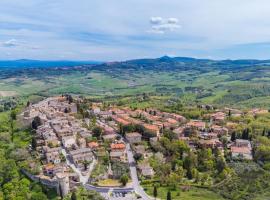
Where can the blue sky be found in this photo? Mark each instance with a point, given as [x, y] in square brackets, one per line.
[109, 30]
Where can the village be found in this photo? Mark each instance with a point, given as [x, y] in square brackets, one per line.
[111, 148]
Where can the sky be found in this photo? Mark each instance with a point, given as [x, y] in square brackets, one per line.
[113, 30]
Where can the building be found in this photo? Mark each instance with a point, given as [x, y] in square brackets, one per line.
[118, 155]
[52, 170]
[68, 141]
[153, 129]
[134, 137]
[80, 155]
[81, 142]
[110, 137]
[93, 145]
[63, 184]
[146, 170]
[118, 147]
[118, 152]
[200, 125]
[218, 117]
[53, 157]
[212, 143]
[241, 149]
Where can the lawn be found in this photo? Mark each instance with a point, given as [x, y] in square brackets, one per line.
[193, 194]
[109, 183]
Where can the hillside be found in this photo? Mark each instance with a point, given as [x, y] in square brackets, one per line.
[241, 83]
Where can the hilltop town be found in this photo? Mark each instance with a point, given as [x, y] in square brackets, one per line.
[118, 151]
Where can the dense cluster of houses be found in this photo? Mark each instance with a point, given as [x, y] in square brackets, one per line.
[60, 129]
[196, 133]
[57, 129]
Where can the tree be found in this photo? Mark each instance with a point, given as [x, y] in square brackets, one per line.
[83, 194]
[97, 131]
[155, 193]
[264, 132]
[36, 122]
[221, 164]
[38, 196]
[233, 136]
[73, 196]
[245, 134]
[224, 140]
[34, 143]
[169, 196]
[124, 179]
[85, 164]
[138, 156]
[13, 114]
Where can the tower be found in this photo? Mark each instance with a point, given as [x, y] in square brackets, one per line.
[63, 184]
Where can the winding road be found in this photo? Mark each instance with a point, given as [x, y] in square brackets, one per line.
[83, 178]
[133, 172]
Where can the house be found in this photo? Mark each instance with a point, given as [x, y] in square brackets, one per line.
[51, 169]
[118, 155]
[120, 121]
[93, 145]
[118, 152]
[118, 147]
[134, 137]
[140, 149]
[81, 142]
[146, 170]
[153, 129]
[200, 125]
[80, 155]
[68, 141]
[218, 117]
[241, 149]
[179, 131]
[109, 137]
[212, 143]
[53, 157]
[219, 130]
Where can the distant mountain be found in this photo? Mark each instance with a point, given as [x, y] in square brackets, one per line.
[25, 63]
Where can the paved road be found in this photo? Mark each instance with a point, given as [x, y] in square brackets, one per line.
[133, 172]
[83, 178]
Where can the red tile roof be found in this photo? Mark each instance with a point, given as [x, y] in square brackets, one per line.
[118, 146]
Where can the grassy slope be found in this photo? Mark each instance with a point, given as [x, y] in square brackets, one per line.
[193, 194]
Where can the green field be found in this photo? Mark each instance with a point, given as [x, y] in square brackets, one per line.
[231, 83]
[193, 194]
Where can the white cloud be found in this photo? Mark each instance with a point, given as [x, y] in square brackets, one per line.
[173, 20]
[11, 43]
[156, 20]
[161, 26]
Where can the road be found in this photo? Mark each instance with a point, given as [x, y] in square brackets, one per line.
[133, 172]
[83, 178]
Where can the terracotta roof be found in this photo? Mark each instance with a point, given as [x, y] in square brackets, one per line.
[172, 121]
[196, 124]
[118, 146]
[151, 127]
[93, 144]
[48, 166]
[121, 121]
[243, 150]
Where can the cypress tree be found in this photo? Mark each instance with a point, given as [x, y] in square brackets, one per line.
[169, 197]
[73, 196]
[155, 192]
[233, 136]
